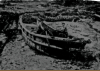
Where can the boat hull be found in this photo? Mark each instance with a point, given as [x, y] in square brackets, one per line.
[48, 44]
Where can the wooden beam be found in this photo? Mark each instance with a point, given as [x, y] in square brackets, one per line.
[97, 15]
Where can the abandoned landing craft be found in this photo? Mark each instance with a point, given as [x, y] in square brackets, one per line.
[43, 37]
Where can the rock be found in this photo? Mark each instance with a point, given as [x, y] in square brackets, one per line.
[19, 37]
[30, 53]
[26, 47]
[23, 44]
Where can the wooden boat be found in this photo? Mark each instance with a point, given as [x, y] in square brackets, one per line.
[45, 42]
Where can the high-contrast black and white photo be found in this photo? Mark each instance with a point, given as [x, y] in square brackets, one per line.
[49, 35]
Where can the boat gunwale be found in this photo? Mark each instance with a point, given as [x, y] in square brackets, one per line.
[42, 44]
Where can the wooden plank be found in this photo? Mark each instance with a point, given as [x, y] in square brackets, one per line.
[97, 15]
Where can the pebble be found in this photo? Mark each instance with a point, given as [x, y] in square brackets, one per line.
[19, 37]
[4, 62]
[26, 47]
[30, 53]
[23, 44]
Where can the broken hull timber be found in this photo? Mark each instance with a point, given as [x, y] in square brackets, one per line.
[56, 43]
